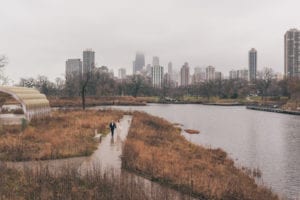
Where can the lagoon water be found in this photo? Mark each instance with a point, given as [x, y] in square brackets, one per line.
[255, 139]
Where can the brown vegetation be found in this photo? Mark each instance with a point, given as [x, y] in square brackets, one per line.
[64, 134]
[69, 184]
[156, 149]
[95, 101]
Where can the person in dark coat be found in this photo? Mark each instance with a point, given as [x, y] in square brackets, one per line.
[112, 127]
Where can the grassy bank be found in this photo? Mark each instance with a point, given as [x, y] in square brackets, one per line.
[40, 184]
[64, 134]
[95, 101]
[155, 149]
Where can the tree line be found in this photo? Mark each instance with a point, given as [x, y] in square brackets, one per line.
[98, 84]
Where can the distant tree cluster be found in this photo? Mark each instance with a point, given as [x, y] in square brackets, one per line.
[101, 83]
[3, 78]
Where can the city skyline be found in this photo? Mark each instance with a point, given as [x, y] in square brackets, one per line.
[37, 37]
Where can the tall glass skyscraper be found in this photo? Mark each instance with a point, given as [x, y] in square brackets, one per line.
[252, 64]
[184, 74]
[139, 62]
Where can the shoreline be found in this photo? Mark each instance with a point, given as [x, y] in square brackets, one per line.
[156, 150]
[274, 110]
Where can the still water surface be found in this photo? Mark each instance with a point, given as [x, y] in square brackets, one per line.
[269, 141]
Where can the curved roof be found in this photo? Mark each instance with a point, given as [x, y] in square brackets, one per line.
[34, 104]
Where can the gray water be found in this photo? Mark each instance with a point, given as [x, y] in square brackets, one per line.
[269, 141]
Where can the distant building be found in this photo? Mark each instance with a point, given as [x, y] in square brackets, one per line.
[133, 67]
[176, 78]
[139, 62]
[199, 75]
[243, 74]
[88, 61]
[278, 76]
[155, 61]
[252, 64]
[73, 67]
[103, 69]
[148, 70]
[184, 74]
[233, 74]
[218, 76]
[210, 73]
[122, 73]
[157, 73]
[292, 53]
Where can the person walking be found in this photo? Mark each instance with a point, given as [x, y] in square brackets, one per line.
[112, 127]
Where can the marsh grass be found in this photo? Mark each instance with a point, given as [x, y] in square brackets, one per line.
[95, 101]
[66, 133]
[156, 149]
[68, 184]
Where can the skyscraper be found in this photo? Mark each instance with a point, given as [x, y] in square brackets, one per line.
[169, 75]
[73, 67]
[292, 53]
[155, 61]
[88, 61]
[157, 73]
[170, 68]
[139, 62]
[252, 64]
[184, 74]
[199, 75]
[210, 73]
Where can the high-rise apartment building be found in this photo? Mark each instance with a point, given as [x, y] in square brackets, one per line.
[199, 75]
[292, 53]
[243, 74]
[184, 74]
[122, 73]
[157, 73]
[88, 61]
[139, 62]
[210, 73]
[252, 64]
[73, 67]
[232, 74]
[169, 75]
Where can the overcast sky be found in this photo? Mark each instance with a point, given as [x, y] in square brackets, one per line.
[38, 36]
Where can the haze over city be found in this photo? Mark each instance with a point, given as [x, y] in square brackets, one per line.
[38, 36]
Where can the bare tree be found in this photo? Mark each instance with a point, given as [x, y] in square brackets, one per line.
[294, 89]
[136, 81]
[3, 78]
[265, 81]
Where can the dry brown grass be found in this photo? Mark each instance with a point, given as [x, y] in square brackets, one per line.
[95, 101]
[156, 149]
[69, 185]
[64, 134]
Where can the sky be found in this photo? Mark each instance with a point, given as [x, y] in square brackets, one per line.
[38, 36]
